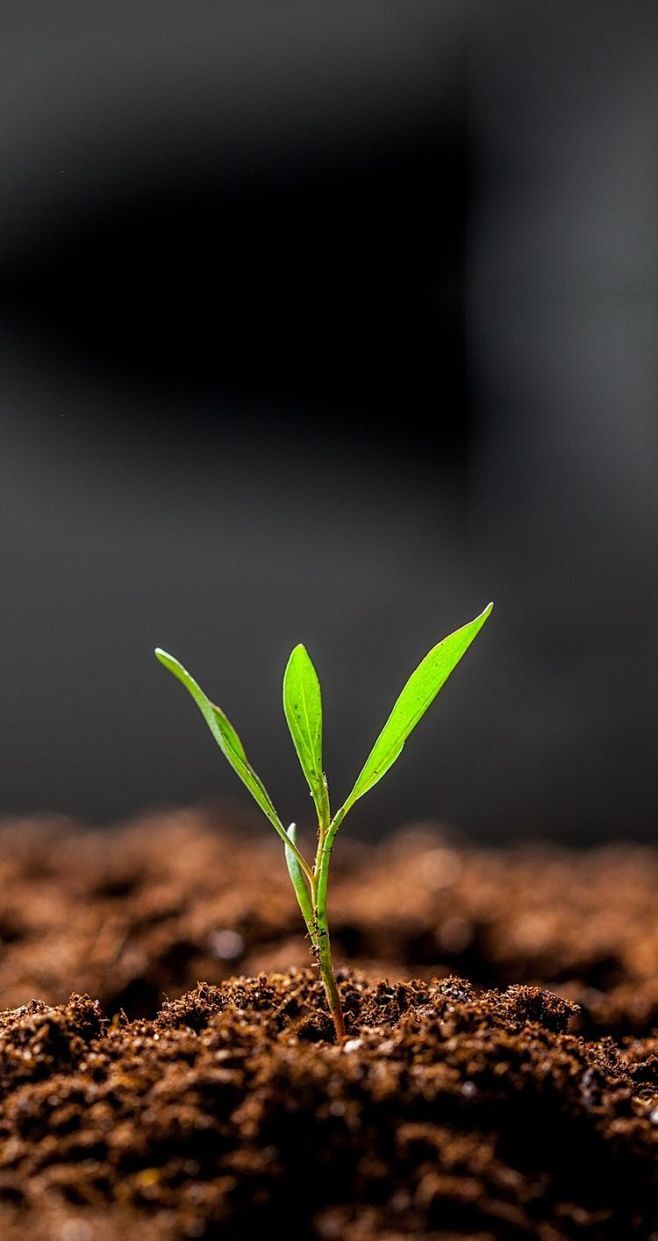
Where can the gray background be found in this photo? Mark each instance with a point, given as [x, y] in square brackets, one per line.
[330, 323]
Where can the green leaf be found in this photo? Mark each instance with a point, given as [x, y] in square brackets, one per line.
[302, 705]
[418, 694]
[298, 881]
[227, 739]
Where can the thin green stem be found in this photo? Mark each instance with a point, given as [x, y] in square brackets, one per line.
[321, 939]
[311, 888]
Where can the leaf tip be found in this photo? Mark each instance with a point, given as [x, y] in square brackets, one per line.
[298, 660]
[168, 661]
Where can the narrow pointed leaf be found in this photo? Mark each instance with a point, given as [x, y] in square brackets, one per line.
[418, 694]
[302, 705]
[298, 881]
[227, 739]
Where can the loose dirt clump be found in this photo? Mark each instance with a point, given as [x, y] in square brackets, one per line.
[233, 1114]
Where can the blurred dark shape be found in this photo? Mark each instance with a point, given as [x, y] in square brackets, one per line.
[311, 289]
[329, 325]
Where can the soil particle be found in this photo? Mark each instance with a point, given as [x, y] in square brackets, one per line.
[37, 1040]
[444, 1114]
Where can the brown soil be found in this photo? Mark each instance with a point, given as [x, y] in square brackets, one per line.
[234, 1114]
[450, 1111]
[153, 907]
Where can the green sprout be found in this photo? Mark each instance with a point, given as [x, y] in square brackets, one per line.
[302, 705]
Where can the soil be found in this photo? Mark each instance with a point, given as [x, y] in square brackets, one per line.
[151, 907]
[522, 1103]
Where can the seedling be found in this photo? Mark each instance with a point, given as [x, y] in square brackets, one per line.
[302, 705]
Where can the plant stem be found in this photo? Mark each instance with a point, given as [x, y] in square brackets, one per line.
[321, 940]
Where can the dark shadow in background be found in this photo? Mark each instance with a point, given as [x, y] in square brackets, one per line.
[329, 329]
[316, 291]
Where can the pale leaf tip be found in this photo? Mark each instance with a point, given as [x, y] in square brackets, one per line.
[164, 658]
[298, 652]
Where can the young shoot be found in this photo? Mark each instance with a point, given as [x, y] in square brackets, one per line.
[302, 705]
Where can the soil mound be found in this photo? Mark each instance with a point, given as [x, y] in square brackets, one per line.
[233, 1113]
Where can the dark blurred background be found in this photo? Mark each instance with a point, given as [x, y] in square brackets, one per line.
[330, 322]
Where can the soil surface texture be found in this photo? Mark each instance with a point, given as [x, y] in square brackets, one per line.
[148, 909]
[521, 1104]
